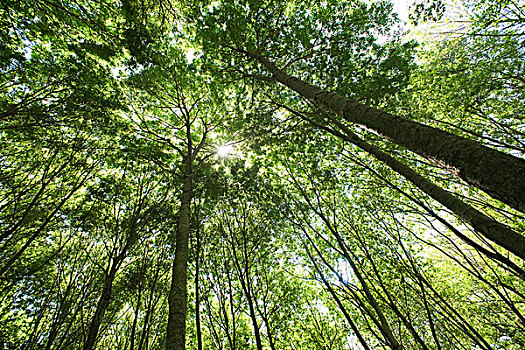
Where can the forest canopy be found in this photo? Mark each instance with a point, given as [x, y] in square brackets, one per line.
[262, 174]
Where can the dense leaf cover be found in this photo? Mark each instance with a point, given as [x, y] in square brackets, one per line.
[261, 174]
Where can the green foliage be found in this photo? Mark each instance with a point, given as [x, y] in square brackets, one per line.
[298, 237]
[426, 11]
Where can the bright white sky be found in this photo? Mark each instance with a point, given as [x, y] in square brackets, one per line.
[401, 7]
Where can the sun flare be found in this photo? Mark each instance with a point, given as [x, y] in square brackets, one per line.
[225, 150]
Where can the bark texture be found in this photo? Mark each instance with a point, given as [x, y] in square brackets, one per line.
[500, 175]
[498, 233]
[177, 300]
[486, 226]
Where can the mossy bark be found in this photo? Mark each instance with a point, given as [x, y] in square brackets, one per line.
[498, 233]
[177, 299]
[500, 175]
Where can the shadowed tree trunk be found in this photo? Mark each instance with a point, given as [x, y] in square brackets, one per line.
[177, 300]
[491, 229]
[139, 300]
[115, 264]
[336, 298]
[244, 278]
[498, 174]
[197, 291]
[498, 233]
[143, 343]
[242, 261]
[102, 305]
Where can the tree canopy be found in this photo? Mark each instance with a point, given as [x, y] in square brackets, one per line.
[262, 174]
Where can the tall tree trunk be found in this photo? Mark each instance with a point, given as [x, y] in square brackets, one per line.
[244, 277]
[62, 310]
[115, 264]
[336, 298]
[197, 292]
[149, 311]
[251, 307]
[498, 233]
[66, 336]
[498, 174]
[177, 300]
[102, 306]
[231, 300]
[139, 299]
[266, 321]
[382, 323]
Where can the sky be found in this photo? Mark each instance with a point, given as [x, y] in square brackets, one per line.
[401, 7]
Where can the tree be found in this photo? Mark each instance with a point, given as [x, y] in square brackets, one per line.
[180, 176]
[468, 159]
[183, 115]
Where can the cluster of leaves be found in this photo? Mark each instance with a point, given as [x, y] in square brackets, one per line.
[299, 239]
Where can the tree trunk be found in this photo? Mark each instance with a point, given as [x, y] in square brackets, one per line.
[253, 317]
[498, 233]
[177, 300]
[102, 306]
[63, 308]
[498, 174]
[149, 310]
[244, 278]
[197, 292]
[266, 321]
[337, 300]
[139, 299]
